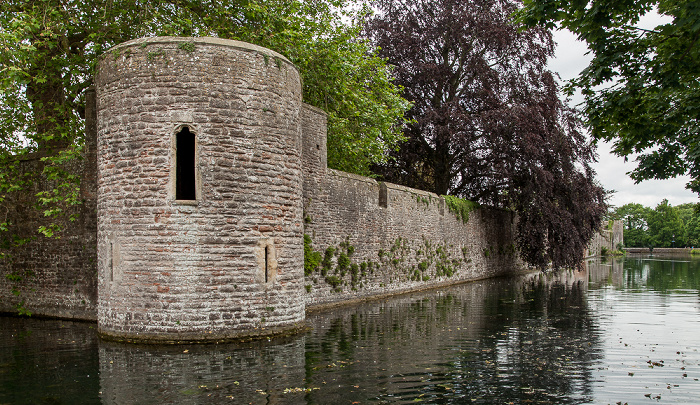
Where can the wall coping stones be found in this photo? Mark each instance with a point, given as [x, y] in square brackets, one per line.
[314, 109]
[352, 176]
[411, 190]
[231, 43]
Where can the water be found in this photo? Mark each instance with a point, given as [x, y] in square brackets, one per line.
[624, 331]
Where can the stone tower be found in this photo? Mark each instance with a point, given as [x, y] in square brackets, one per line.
[200, 191]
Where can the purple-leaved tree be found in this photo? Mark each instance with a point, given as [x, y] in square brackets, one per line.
[487, 121]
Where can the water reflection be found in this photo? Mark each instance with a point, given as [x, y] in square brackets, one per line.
[488, 341]
[647, 312]
[616, 332]
[209, 374]
[663, 274]
[48, 362]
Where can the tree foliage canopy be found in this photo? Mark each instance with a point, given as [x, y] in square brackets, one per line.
[487, 123]
[662, 226]
[642, 88]
[49, 50]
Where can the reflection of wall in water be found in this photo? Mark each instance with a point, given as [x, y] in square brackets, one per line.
[200, 374]
[36, 353]
[605, 272]
[493, 330]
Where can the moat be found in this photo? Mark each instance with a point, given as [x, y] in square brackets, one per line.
[624, 331]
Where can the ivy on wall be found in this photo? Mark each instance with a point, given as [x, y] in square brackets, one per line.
[460, 207]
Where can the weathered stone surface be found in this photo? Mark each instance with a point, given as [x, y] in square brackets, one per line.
[609, 239]
[172, 270]
[408, 241]
[51, 276]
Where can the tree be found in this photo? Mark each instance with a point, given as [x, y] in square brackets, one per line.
[692, 231]
[487, 123]
[641, 88]
[686, 213]
[665, 226]
[49, 50]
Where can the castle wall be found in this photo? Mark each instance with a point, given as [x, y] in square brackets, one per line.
[609, 239]
[51, 276]
[383, 238]
[227, 263]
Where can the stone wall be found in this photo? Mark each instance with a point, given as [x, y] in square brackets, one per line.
[659, 251]
[374, 238]
[609, 239]
[228, 262]
[51, 276]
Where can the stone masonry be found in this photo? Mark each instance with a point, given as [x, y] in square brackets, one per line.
[228, 262]
[211, 185]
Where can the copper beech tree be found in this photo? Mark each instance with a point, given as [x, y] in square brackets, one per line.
[487, 123]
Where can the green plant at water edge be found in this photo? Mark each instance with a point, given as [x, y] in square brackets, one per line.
[695, 251]
[460, 207]
[22, 310]
[16, 279]
[604, 251]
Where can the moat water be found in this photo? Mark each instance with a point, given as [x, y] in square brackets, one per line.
[626, 331]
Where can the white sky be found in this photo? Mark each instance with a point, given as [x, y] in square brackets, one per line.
[569, 60]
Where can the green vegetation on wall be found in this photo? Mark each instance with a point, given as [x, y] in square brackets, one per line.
[311, 258]
[460, 207]
[401, 262]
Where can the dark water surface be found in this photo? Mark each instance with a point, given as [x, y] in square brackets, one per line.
[624, 331]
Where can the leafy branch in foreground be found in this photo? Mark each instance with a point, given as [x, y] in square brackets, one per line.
[642, 88]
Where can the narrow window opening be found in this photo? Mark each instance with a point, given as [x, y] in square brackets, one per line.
[185, 165]
[267, 266]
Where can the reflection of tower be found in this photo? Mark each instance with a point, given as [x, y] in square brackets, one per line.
[201, 374]
[199, 206]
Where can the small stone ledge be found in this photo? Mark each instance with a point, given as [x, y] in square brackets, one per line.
[212, 338]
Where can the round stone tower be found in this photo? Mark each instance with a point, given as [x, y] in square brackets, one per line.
[199, 195]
